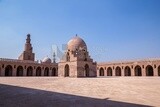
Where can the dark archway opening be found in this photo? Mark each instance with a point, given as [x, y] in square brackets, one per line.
[159, 71]
[38, 71]
[101, 72]
[118, 71]
[87, 70]
[19, 71]
[138, 71]
[109, 71]
[127, 71]
[8, 70]
[46, 72]
[66, 71]
[149, 70]
[29, 71]
[54, 73]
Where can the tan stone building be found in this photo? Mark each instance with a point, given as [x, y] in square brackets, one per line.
[26, 65]
[76, 62]
[148, 67]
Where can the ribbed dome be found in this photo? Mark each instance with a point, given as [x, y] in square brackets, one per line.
[76, 43]
[46, 60]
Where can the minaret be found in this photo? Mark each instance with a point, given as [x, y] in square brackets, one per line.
[28, 46]
[54, 57]
[27, 53]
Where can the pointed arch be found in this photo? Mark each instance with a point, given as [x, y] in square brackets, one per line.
[29, 71]
[46, 71]
[101, 72]
[159, 70]
[8, 70]
[38, 71]
[19, 71]
[118, 71]
[138, 71]
[54, 72]
[66, 70]
[149, 70]
[127, 71]
[87, 70]
[109, 71]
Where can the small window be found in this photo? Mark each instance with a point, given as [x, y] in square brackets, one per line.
[3, 66]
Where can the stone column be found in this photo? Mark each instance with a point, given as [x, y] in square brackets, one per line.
[42, 73]
[34, 72]
[105, 72]
[122, 71]
[25, 72]
[155, 71]
[98, 73]
[143, 72]
[2, 71]
[132, 72]
[14, 72]
[113, 72]
[50, 72]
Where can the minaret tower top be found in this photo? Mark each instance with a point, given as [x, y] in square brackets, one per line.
[27, 53]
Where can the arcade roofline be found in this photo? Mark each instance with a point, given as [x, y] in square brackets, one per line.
[129, 61]
[24, 61]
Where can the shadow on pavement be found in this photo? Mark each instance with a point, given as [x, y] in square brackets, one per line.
[14, 96]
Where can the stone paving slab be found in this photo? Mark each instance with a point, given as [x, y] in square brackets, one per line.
[79, 92]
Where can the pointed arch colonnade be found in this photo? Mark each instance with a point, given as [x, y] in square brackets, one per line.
[22, 69]
[146, 69]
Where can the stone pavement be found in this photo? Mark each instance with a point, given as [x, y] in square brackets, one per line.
[79, 92]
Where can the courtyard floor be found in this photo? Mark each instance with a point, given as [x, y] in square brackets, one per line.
[79, 92]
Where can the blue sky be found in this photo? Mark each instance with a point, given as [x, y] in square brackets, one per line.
[112, 29]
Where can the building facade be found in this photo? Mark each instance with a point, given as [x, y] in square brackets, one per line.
[26, 65]
[148, 67]
[76, 62]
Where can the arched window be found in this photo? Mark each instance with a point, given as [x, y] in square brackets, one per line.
[87, 70]
[67, 57]
[138, 71]
[109, 71]
[8, 70]
[159, 71]
[101, 72]
[66, 70]
[149, 70]
[19, 71]
[118, 71]
[127, 71]
[38, 71]
[54, 73]
[46, 71]
[29, 71]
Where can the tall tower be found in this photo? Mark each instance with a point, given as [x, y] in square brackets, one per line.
[27, 53]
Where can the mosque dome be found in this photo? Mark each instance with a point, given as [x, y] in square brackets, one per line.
[46, 60]
[76, 43]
